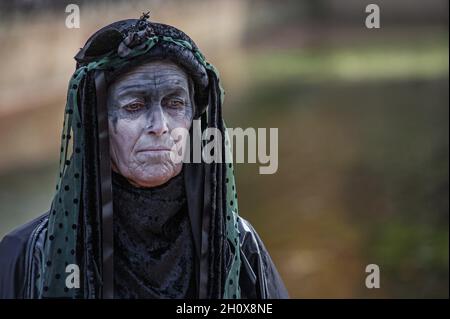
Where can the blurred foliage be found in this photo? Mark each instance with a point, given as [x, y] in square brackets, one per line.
[426, 58]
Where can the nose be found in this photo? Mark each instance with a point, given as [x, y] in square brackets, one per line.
[157, 123]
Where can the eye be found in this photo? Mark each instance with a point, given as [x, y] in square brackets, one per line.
[133, 107]
[175, 103]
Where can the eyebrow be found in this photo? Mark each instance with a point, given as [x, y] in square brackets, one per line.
[172, 88]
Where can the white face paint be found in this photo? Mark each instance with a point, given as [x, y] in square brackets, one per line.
[144, 106]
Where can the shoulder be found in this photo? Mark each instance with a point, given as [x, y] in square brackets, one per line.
[13, 255]
[262, 279]
[20, 235]
[249, 238]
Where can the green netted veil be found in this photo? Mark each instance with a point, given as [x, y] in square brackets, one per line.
[61, 242]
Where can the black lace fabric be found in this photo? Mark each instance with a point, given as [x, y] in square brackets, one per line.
[153, 246]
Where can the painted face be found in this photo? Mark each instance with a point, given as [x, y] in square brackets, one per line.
[144, 106]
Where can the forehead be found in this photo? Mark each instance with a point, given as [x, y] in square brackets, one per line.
[156, 75]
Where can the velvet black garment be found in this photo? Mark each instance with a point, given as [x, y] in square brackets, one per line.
[154, 253]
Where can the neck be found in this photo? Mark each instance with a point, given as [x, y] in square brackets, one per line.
[152, 240]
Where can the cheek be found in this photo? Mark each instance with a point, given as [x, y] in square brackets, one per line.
[179, 119]
[123, 137]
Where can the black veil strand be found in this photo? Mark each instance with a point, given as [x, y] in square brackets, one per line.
[80, 230]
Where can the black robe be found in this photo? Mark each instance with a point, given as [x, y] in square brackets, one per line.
[23, 248]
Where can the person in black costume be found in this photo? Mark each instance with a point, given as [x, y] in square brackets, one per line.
[134, 223]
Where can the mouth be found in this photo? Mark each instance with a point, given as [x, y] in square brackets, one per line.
[154, 149]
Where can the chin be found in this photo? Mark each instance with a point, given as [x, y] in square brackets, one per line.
[155, 176]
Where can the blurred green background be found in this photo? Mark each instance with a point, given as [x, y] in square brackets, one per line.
[362, 117]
